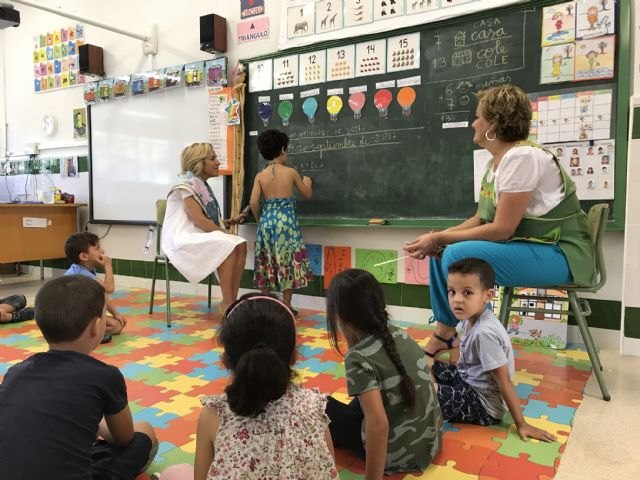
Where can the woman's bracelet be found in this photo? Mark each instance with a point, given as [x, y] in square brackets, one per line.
[435, 244]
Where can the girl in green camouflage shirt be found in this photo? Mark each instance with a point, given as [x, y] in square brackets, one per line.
[394, 421]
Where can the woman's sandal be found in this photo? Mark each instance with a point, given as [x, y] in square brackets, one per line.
[449, 346]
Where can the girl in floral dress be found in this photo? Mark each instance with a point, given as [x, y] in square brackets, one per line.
[281, 259]
[264, 426]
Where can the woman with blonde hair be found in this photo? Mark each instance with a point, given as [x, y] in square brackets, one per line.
[194, 236]
[529, 225]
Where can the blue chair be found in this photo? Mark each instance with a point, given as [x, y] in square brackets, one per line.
[161, 208]
[578, 307]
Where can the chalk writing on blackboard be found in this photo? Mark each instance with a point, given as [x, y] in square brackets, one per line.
[487, 46]
[345, 139]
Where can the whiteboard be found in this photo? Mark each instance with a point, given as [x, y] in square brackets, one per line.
[134, 151]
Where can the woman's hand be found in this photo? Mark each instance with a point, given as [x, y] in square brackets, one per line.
[423, 246]
[236, 220]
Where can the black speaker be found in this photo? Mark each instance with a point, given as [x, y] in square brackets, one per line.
[90, 60]
[213, 33]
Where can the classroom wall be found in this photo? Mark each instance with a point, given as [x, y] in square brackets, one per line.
[178, 30]
[630, 332]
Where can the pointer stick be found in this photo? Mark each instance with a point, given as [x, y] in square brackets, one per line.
[392, 260]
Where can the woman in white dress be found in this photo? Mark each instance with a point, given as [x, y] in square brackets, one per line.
[194, 236]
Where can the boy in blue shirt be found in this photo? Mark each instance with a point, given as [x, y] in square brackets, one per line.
[479, 388]
[83, 249]
[65, 414]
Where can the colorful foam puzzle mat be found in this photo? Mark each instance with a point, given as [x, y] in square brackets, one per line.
[168, 370]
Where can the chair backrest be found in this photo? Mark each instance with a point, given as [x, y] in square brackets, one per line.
[597, 224]
[161, 209]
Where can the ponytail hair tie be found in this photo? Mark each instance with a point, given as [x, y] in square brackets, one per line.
[260, 345]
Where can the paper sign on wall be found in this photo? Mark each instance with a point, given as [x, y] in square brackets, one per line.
[315, 258]
[366, 259]
[253, 30]
[251, 8]
[336, 260]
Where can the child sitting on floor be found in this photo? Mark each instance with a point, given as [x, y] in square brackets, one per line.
[479, 388]
[264, 426]
[83, 249]
[394, 420]
[56, 403]
[14, 309]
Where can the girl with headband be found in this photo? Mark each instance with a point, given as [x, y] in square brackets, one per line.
[263, 426]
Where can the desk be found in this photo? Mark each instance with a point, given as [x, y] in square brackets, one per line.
[20, 244]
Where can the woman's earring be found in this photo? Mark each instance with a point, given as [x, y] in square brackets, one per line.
[486, 135]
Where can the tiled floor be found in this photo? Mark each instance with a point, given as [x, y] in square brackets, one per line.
[168, 370]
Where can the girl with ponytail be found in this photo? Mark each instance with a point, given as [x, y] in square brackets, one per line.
[394, 421]
[264, 426]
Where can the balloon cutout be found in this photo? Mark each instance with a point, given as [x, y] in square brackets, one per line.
[334, 105]
[285, 109]
[264, 112]
[406, 97]
[381, 100]
[356, 102]
[310, 107]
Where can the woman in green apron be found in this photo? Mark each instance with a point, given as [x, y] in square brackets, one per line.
[529, 225]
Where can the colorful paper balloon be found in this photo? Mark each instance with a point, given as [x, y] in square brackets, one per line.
[334, 105]
[310, 107]
[264, 112]
[381, 100]
[356, 102]
[285, 109]
[406, 97]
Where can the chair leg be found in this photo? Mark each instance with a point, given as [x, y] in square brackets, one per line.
[507, 293]
[209, 290]
[166, 276]
[153, 285]
[589, 344]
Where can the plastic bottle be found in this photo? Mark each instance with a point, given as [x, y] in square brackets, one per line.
[44, 187]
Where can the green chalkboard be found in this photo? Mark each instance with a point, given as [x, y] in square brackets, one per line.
[417, 169]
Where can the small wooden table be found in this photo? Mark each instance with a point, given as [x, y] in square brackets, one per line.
[20, 243]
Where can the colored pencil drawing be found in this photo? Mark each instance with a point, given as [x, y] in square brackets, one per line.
[557, 63]
[594, 18]
[558, 24]
[595, 58]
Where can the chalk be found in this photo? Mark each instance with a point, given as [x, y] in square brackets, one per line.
[377, 221]
[392, 260]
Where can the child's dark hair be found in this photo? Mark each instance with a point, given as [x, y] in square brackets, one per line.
[356, 297]
[475, 266]
[65, 306]
[78, 243]
[271, 142]
[259, 338]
